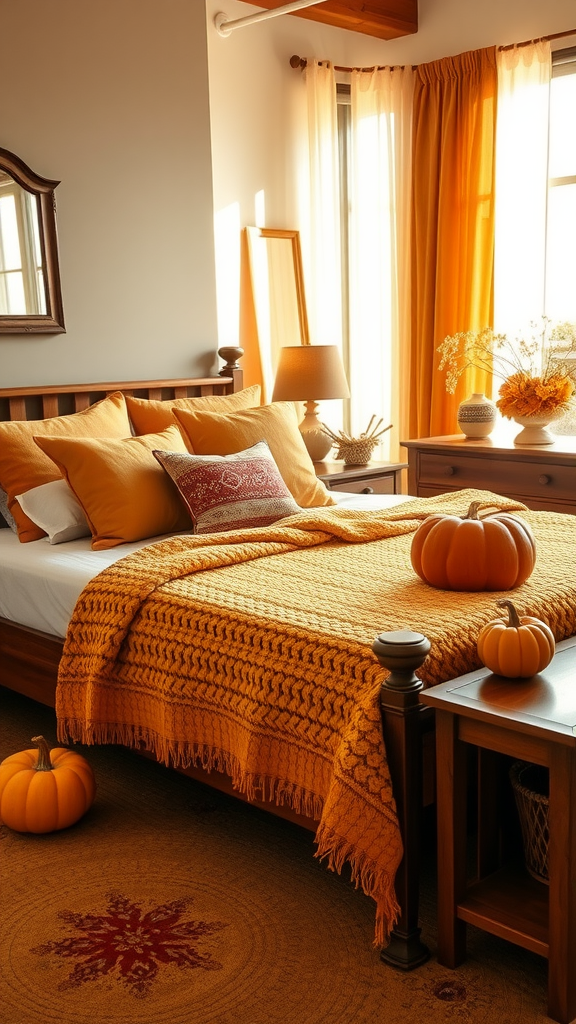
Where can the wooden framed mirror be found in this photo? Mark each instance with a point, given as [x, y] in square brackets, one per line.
[30, 291]
[277, 281]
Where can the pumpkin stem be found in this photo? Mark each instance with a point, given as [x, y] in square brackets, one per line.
[44, 763]
[513, 617]
[472, 512]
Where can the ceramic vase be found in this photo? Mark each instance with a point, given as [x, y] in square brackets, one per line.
[477, 416]
[534, 428]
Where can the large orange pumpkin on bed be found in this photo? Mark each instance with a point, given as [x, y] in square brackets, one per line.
[44, 790]
[497, 552]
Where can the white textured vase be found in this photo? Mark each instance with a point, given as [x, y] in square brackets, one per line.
[477, 416]
[534, 428]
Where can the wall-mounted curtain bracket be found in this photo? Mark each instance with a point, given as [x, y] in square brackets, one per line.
[224, 27]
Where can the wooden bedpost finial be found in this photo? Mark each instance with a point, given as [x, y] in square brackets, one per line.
[402, 652]
[230, 354]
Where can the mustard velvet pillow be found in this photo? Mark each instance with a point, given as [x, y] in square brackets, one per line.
[148, 416]
[213, 433]
[125, 493]
[24, 466]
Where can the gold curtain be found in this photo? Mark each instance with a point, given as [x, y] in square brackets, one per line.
[452, 225]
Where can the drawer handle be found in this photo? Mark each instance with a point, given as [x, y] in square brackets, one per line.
[544, 479]
[449, 471]
[367, 490]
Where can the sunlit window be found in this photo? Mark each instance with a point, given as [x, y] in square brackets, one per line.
[561, 220]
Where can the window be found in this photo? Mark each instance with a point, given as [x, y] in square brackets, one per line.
[560, 285]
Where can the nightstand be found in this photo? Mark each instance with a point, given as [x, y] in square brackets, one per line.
[531, 720]
[375, 478]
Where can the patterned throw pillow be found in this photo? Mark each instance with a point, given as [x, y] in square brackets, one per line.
[6, 513]
[230, 492]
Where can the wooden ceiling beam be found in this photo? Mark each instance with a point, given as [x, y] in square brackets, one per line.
[385, 19]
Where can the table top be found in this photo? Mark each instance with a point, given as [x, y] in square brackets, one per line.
[544, 704]
[351, 469]
[500, 442]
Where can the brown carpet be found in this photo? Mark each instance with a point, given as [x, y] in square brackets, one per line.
[172, 904]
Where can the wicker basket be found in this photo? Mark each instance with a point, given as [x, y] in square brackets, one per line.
[357, 451]
[530, 786]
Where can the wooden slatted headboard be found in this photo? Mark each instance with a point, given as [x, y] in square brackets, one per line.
[43, 402]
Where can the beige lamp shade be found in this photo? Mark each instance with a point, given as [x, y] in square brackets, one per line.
[311, 374]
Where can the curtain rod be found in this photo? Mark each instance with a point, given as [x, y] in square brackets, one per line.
[224, 26]
[301, 62]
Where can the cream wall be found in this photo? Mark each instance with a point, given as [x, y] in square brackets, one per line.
[111, 98]
[255, 96]
[158, 128]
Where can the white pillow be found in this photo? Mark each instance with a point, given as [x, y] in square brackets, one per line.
[55, 509]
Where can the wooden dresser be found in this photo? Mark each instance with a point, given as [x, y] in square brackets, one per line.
[542, 477]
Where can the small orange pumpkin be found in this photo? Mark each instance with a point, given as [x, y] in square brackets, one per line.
[44, 790]
[518, 648]
[497, 552]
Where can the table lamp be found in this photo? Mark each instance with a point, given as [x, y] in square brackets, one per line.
[311, 374]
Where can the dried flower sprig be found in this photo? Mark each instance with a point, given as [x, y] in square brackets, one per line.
[538, 373]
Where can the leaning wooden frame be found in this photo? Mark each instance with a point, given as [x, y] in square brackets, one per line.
[29, 661]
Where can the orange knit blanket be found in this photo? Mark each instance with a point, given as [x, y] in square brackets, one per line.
[250, 653]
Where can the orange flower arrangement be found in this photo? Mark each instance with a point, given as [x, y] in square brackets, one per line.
[538, 376]
[523, 395]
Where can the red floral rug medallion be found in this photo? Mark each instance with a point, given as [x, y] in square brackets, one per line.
[131, 943]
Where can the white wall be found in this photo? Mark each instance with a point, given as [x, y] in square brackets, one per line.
[255, 94]
[111, 98]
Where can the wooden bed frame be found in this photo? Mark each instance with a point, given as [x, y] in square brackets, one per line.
[29, 658]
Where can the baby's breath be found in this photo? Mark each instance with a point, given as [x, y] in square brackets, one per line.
[538, 373]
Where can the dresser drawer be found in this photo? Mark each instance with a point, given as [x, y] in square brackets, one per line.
[504, 476]
[367, 485]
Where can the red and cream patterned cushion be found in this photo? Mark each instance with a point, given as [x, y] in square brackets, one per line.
[230, 492]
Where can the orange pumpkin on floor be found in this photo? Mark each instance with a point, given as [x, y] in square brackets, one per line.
[44, 790]
[518, 648]
[497, 552]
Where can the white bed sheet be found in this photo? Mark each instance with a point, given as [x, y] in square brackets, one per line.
[41, 582]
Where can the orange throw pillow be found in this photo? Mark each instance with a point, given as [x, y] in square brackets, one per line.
[149, 416]
[24, 466]
[213, 433]
[125, 493]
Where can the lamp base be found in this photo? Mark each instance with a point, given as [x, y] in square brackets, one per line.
[317, 442]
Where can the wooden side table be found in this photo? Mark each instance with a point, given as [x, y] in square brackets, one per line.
[533, 720]
[374, 478]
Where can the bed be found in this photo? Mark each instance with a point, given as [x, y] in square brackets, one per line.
[31, 655]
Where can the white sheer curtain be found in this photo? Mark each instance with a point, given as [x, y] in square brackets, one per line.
[524, 74]
[319, 195]
[321, 226]
[379, 251]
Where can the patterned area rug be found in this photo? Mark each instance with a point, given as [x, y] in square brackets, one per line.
[173, 904]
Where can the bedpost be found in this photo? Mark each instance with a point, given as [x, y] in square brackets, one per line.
[402, 652]
[231, 354]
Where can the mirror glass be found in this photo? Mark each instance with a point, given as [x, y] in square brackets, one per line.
[30, 295]
[278, 291]
[21, 271]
